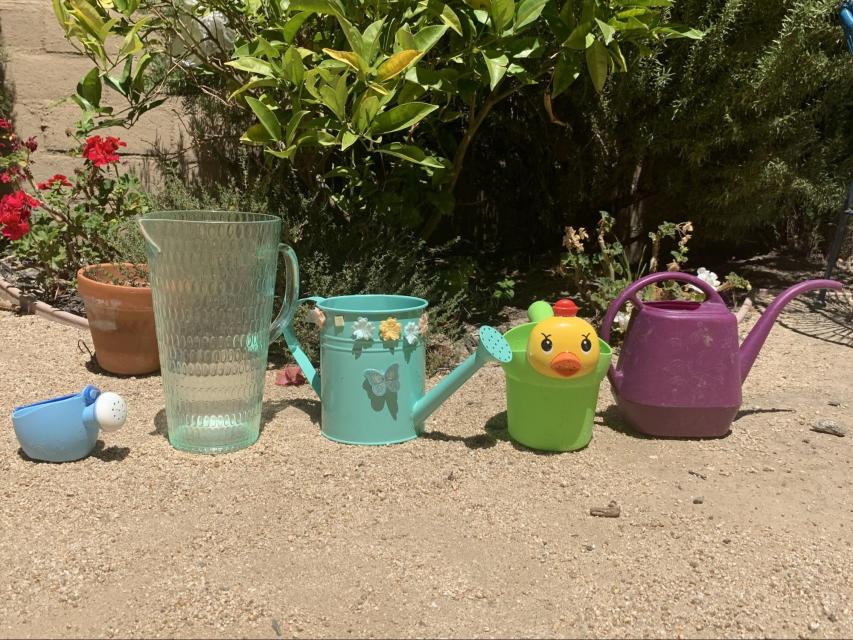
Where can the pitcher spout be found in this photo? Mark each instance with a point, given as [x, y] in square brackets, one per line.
[755, 340]
[492, 346]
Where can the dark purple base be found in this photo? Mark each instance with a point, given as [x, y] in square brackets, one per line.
[678, 422]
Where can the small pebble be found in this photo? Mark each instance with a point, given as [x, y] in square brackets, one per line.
[727, 540]
[589, 547]
[830, 427]
[814, 626]
[834, 403]
[698, 500]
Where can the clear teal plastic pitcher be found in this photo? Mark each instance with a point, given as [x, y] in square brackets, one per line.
[213, 278]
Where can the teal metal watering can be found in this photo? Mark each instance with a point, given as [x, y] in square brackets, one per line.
[372, 355]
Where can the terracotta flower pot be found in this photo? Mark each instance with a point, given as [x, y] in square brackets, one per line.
[121, 320]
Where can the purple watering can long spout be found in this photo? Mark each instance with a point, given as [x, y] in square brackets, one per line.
[755, 340]
[681, 369]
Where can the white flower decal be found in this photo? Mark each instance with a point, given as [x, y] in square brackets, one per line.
[362, 329]
[411, 333]
[621, 320]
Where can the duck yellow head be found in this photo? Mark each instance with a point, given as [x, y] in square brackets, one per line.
[563, 345]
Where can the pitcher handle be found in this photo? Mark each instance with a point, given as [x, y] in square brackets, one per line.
[291, 292]
[631, 291]
[296, 349]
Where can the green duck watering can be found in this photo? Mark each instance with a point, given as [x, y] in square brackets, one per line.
[553, 379]
[372, 357]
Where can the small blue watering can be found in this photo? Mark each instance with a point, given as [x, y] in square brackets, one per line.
[372, 355]
[66, 428]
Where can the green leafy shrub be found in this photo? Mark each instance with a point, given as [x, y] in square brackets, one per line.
[375, 104]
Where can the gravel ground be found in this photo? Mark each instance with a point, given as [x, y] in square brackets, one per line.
[459, 533]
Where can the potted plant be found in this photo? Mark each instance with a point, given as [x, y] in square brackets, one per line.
[85, 227]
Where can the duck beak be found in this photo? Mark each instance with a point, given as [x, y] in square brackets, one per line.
[566, 364]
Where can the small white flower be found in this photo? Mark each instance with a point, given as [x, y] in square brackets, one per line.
[708, 276]
[411, 333]
[362, 329]
[621, 320]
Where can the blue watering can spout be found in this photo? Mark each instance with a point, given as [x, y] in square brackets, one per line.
[492, 347]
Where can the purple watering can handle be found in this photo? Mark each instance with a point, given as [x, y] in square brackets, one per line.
[632, 290]
[630, 293]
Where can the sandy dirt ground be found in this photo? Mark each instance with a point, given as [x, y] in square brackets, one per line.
[459, 533]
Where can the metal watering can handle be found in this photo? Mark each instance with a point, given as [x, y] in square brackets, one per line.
[296, 349]
[291, 292]
[632, 290]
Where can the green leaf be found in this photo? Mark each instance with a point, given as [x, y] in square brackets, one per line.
[89, 18]
[606, 30]
[427, 38]
[256, 134]
[122, 83]
[139, 74]
[502, 12]
[680, 31]
[352, 35]
[334, 97]
[597, 61]
[618, 57]
[445, 14]
[413, 154]
[578, 37]
[349, 58]
[292, 27]
[89, 88]
[401, 117]
[565, 73]
[347, 140]
[647, 3]
[529, 11]
[253, 65]
[496, 67]
[395, 64]
[254, 84]
[294, 68]
[370, 40]
[365, 112]
[293, 125]
[479, 4]
[287, 154]
[323, 7]
[405, 38]
[267, 117]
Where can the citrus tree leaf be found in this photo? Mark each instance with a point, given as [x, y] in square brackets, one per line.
[597, 62]
[413, 154]
[401, 117]
[267, 117]
[395, 64]
[528, 11]
[502, 12]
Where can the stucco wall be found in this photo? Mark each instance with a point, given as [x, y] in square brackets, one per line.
[43, 69]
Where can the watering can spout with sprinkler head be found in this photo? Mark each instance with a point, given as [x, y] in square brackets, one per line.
[372, 388]
[492, 348]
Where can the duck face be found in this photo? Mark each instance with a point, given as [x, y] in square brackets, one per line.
[563, 347]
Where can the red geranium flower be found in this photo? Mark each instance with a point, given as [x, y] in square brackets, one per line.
[15, 211]
[102, 151]
[31, 144]
[58, 178]
[5, 125]
[11, 174]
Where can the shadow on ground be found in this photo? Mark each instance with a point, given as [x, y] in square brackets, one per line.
[101, 452]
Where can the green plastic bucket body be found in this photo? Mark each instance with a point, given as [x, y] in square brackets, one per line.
[548, 413]
[351, 412]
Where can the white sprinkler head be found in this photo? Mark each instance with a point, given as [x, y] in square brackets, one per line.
[110, 411]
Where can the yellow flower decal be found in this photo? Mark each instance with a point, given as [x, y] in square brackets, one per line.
[389, 329]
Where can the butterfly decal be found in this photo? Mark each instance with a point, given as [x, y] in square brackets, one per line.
[382, 383]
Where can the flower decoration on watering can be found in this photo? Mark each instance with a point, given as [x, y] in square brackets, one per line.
[389, 329]
[411, 333]
[362, 329]
[317, 317]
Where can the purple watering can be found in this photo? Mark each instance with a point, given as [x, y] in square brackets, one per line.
[681, 369]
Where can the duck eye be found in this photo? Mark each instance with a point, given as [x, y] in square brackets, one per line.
[586, 345]
[547, 345]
